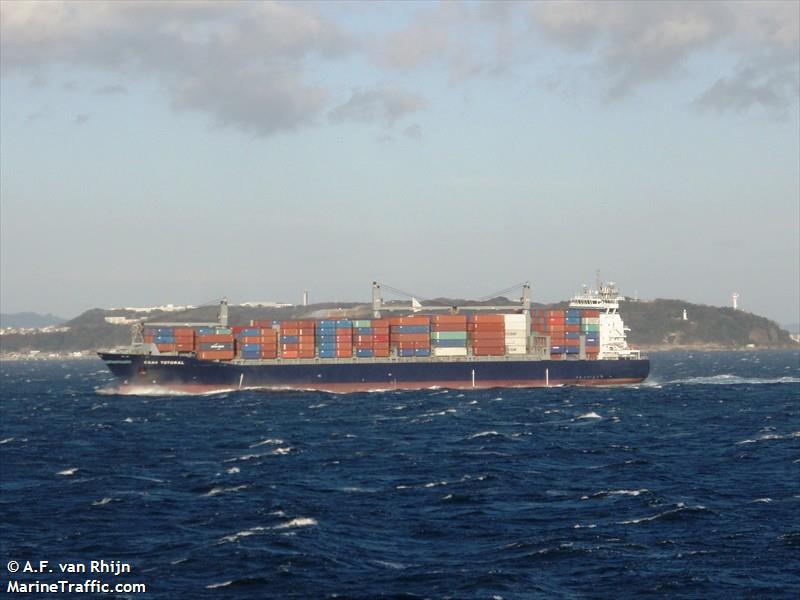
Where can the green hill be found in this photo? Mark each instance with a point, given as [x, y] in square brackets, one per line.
[654, 324]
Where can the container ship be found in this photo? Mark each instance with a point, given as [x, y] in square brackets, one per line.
[462, 347]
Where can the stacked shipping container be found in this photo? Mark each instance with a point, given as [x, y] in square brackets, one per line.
[516, 334]
[297, 339]
[487, 335]
[410, 336]
[335, 338]
[449, 335]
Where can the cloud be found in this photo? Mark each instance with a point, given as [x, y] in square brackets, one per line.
[631, 44]
[753, 85]
[378, 105]
[245, 64]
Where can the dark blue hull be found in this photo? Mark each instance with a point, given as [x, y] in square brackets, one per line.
[186, 373]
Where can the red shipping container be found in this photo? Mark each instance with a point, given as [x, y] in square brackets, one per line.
[343, 338]
[184, 347]
[488, 335]
[572, 328]
[290, 354]
[410, 337]
[489, 351]
[166, 347]
[289, 347]
[380, 337]
[381, 346]
[290, 331]
[215, 355]
[449, 319]
[344, 353]
[306, 353]
[590, 314]
[304, 346]
[478, 318]
[148, 339]
[382, 353]
[268, 354]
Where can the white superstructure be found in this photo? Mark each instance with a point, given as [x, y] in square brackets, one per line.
[612, 330]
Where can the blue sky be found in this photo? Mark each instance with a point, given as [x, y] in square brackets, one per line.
[179, 152]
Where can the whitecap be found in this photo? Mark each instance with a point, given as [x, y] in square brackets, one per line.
[602, 493]
[6, 440]
[102, 502]
[483, 434]
[127, 420]
[771, 436]
[242, 534]
[223, 490]
[579, 526]
[68, 472]
[435, 484]
[590, 415]
[298, 522]
[212, 586]
[265, 442]
[730, 379]
[765, 500]
[233, 470]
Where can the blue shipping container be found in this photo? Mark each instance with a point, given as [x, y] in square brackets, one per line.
[573, 312]
[405, 352]
[164, 339]
[205, 331]
[422, 352]
[572, 350]
[572, 335]
[290, 339]
[363, 330]
[253, 347]
[327, 353]
[250, 332]
[344, 323]
[327, 346]
[449, 343]
[364, 353]
[410, 329]
[572, 321]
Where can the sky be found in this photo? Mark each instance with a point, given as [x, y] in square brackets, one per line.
[178, 152]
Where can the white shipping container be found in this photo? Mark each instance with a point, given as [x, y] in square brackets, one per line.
[516, 333]
[514, 320]
[514, 350]
[449, 351]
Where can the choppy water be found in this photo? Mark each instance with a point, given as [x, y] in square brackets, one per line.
[686, 486]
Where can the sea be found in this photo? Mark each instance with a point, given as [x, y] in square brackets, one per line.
[686, 486]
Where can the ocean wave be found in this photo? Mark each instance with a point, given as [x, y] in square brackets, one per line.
[589, 415]
[102, 502]
[298, 522]
[605, 493]
[266, 442]
[730, 379]
[6, 440]
[68, 472]
[681, 511]
[770, 437]
[216, 491]
[156, 391]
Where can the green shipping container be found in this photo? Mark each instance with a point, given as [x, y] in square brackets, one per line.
[362, 323]
[448, 335]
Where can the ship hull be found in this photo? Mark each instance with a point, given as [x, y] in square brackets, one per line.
[135, 372]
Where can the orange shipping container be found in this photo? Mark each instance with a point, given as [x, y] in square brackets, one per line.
[184, 347]
[215, 355]
[487, 319]
[409, 320]
[572, 328]
[410, 337]
[290, 354]
[166, 347]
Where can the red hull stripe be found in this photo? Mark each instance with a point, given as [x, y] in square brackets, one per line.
[343, 388]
